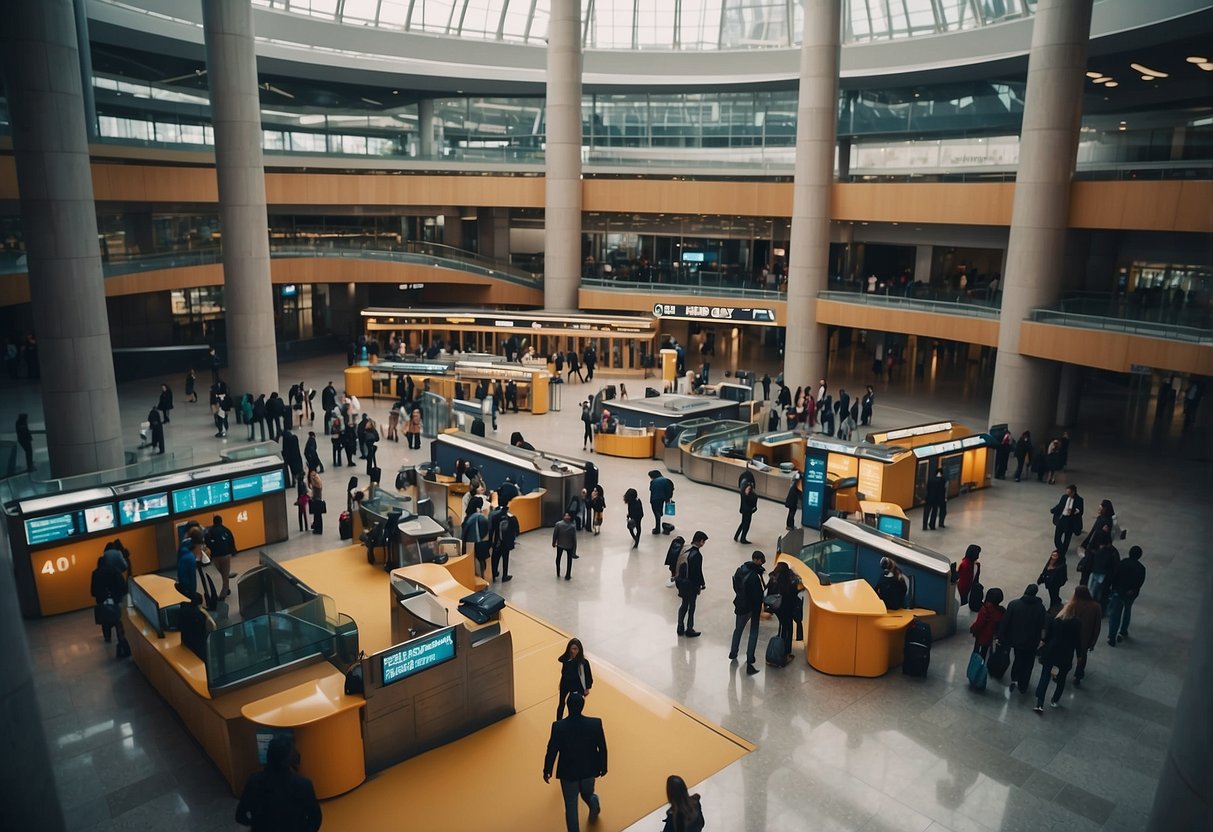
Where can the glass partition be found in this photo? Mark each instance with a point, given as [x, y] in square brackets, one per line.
[833, 559]
[728, 439]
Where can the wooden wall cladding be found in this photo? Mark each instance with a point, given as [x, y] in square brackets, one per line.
[983, 331]
[1115, 351]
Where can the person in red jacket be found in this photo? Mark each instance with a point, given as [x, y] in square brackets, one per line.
[985, 626]
[968, 572]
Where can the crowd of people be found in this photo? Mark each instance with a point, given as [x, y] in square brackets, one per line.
[808, 410]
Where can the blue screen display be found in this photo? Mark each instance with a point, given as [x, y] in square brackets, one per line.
[202, 496]
[143, 507]
[257, 484]
[813, 500]
[419, 654]
[891, 525]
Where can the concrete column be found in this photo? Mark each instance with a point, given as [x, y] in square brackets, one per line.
[562, 159]
[452, 227]
[816, 117]
[1184, 799]
[425, 127]
[1069, 394]
[86, 68]
[923, 258]
[40, 63]
[494, 232]
[1036, 248]
[252, 354]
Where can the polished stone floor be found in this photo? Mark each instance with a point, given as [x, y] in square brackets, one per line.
[889, 754]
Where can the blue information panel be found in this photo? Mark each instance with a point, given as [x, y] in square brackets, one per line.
[891, 525]
[202, 496]
[418, 654]
[254, 485]
[143, 507]
[813, 501]
[70, 524]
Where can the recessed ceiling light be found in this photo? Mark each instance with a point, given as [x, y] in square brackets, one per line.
[1148, 78]
[1111, 84]
[1145, 70]
[1094, 74]
[1196, 59]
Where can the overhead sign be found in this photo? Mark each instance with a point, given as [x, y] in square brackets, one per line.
[691, 312]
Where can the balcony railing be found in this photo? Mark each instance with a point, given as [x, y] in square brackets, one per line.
[703, 284]
[921, 299]
[1129, 314]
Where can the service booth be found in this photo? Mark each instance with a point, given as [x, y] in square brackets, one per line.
[848, 629]
[458, 377]
[56, 539]
[962, 455]
[662, 411]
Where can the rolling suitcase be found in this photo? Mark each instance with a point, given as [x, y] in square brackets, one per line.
[977, 672]
[777, 652]
[917, 656]
[478, 427]
[345, 526]
[1000, 660]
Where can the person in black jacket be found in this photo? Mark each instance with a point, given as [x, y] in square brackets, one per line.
[166, 403]
[275, 413]
[1060, 645]
[157, 428]
[635, 515]
[784, 583]
[936, 507]
[580, 744]
[1067, 518]
[328, 403]
[748, 593]
[793, 499]
[258, 417]
[749, 505]
[108, 588]
[1020, 630]
[25, 438]
[506, 492]
[575, 674]
[292, 460]
[1123, 589]
[891, 588]
[866, 404]
[277, 798]
[688, 578]
[1104, 561]
[1054, 577]
[503, 534]
[661, 491]
[311, 455]
[221, 543]
[1102, 524]
[1023, 453]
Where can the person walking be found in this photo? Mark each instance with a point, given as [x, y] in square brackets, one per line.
[1061, 642]
[1053, 577]
[661, 491]
[25, 439]
[278, 798]
[968, 572]
[413, 430]
[985, 626]
[1053, 461]
[165, 404]
[688, 579]
[595, 505]
[865, 406]
[587, 420]
[783, 583]
[1103, 524]
[221, 543]
[635, 515]
[575, 674]
[936, 507]
[564, 541]
[793, 499]
[685, 813]
[579, 743]
[1020, 630]
[157, 429]
[1104, 562]
[1067, 519]
[1090, 620]
[503, 535]
[191, 387]
[748, 505]
[748, 592]
[1023, 453]
[1123, 590]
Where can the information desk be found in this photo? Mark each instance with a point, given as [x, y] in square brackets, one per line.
[885, 517]
[881, 472]
[630, 443]
[661, 411]
[942, 446]
[441, 375]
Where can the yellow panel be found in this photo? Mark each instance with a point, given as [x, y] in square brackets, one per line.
[245, 520]
[63, 574]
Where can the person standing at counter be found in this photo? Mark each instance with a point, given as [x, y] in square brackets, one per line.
[475, 530]
[187, 561]
[503, 535]
[580, 745]
[865, 406]
[766, 387]
[575, 674]
[749, 505]
[937, 506]
[1067, 519]
[891, 588]
[222, 545]
[793, 499]
[506, 492]
[748, 592]
[688, 579]
[1020, 630]
[661, 491]
[108, 588]
[564, 541]
[511, 396]
[277, 798]
[635, 515]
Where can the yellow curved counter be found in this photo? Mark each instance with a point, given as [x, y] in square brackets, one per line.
[628, 446]
[326, 727]
[358, 382]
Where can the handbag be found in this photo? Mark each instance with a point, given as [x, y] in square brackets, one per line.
[977, 672]
[669, 508]
[106, 613]
[318, 507]
[772, 602]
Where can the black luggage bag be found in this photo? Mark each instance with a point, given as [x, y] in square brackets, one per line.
[917, 656]
[777, 652]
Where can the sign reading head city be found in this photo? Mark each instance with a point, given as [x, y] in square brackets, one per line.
[691, 312]
[415, 656]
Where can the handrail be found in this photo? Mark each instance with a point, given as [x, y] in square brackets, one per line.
[681, 288]
[969, 308]
[1129, 326]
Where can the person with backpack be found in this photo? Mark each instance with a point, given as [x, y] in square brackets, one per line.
[1020, 630]
[475, 531]
[688, 579]
[1062, 640]
[635, 515]
[781, 600]
[749, 505]
[503, 535]
[222, 546]
[685, 814]
[1123, 590]
[985, 626]
[748, 592]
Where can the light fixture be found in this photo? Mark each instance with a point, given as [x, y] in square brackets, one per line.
[1196, 59]
[1145, 70]
[1123, 126]
[1094, 74]
[1148, 78]
[1206, 66]
[1111, 84]
[1102, 78]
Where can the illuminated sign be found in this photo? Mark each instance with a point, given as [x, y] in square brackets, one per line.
[417, 655]
[202, 496]
[813, 506]
[919, 430]
[70, 524]
[975, 441]
[742, 314]
[143, 507]
[255, 485]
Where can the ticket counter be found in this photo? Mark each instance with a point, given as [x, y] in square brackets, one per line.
[458, 377]
[629, 443]
[962, 455]
[662, 411]
[886, 517]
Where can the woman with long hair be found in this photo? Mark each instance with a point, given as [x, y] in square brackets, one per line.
[575, 675]
[783, 583]
[1061, 643]
[596, 506]
[685, 814]
[635, 515]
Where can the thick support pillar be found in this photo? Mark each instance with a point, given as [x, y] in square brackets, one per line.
[923, 259]
[1036, 248]
[1184, 797]
[231, 64]
[41, 69]
[562, 159]
[86, 68]
[452, 227]
[494, 232]
[425, 127]
[816, 118]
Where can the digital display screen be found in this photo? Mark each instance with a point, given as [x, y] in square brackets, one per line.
[891, 525]
[813, 501]
[255, 485]
[417, 655]
[202, 496]
[144, 507]
[84, 521]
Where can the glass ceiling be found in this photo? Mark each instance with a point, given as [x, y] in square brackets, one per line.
[660, 24]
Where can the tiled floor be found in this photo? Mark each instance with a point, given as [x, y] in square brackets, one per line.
[833, 753]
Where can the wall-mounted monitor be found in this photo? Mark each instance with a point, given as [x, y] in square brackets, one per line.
[203, 496]
[254, 485]
[417, 655]
[85, 521]
[144, 507]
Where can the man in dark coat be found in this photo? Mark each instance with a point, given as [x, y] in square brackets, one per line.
[328, 400]
[865, 408]
[748, 593]
[842, 407]
[291, 457]
[661, 491]
[258, 416]
[688, 579]
[936, 502]
[580, 744]
[1020, 630]
[275, 413]
[1067, 519]
[277, 797]
[311, 455]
